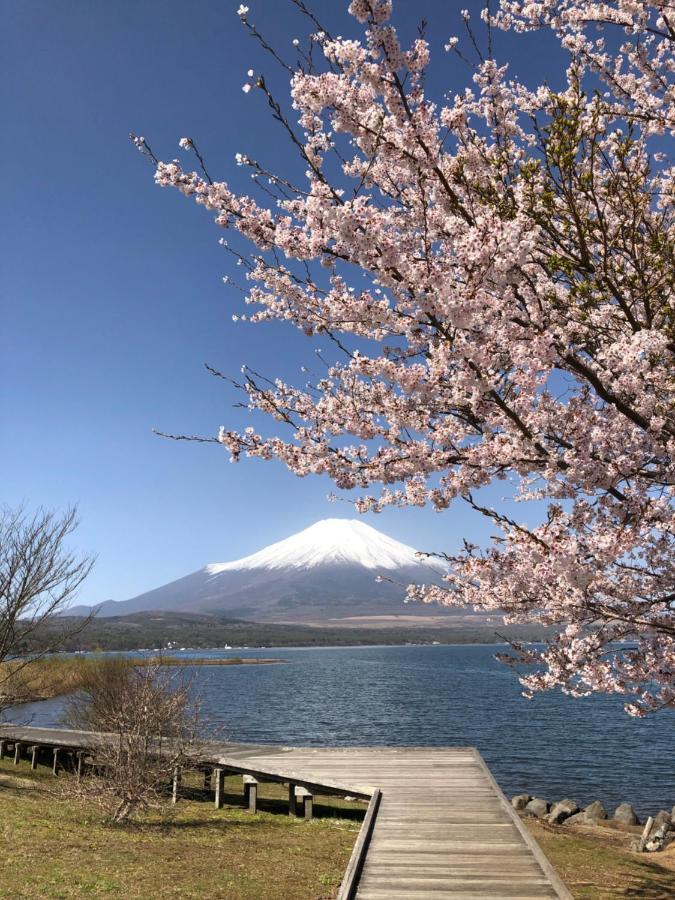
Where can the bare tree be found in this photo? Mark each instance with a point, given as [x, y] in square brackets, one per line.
[39, 577]
[148, 719]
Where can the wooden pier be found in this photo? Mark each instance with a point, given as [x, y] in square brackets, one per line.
[437, 824]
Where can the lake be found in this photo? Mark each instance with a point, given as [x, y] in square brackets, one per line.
[553, 746]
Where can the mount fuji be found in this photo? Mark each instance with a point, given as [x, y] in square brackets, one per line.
[324, 574]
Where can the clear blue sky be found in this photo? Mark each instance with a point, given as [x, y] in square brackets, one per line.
[112, 297]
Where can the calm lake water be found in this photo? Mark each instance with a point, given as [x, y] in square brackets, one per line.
[553, 746]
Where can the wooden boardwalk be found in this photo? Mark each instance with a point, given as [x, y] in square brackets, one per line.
[442, 827]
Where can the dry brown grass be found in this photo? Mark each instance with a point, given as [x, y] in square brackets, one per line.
[44, 678]
[596, 863]
[54, 676]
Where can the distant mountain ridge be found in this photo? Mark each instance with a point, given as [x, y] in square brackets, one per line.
[326, 573]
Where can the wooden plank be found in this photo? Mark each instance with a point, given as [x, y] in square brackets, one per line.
[391, 893]
[448, 873]
[481, 886]
[466, 862]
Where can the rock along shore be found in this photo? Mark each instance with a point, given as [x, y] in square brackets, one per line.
[658, 831]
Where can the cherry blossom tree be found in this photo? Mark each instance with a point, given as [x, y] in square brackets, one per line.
[516, 321]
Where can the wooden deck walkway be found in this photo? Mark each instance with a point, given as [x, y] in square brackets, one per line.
[442, 828]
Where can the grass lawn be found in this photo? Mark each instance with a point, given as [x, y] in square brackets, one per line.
[56, 847]
[596, 864]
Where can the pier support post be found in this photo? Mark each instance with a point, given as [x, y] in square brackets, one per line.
[307, 802]
[2, 749]
[56, 763]
[17, 752]
[292, 800]
[304, 802]
[207, 779]
[33, 756]
[219, 775]
[177, 775]
[251, 793]
[80, 764]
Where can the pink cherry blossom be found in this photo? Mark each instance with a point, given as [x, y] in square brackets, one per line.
[494, 274]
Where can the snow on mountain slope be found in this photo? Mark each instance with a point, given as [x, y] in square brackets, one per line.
[326, 572]
[330, 541]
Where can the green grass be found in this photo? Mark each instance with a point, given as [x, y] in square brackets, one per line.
[52, 846]
[596, 863]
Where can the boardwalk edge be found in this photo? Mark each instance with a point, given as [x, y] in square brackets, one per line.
[350, 881]
[539, 854]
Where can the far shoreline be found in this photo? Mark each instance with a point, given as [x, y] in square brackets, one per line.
[274, 648]
[169, 632]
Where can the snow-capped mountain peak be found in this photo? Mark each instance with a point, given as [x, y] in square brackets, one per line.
[326, 573]
[330, 541]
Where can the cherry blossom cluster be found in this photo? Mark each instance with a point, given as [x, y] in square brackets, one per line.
[629, 44]
[496, 275]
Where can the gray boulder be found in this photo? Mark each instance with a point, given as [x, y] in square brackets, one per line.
[561, 811]
[663, 818]
[580, 818]
[520, 801]
[595, 811]
[625, 814]
[658, 839]
[538, 807]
